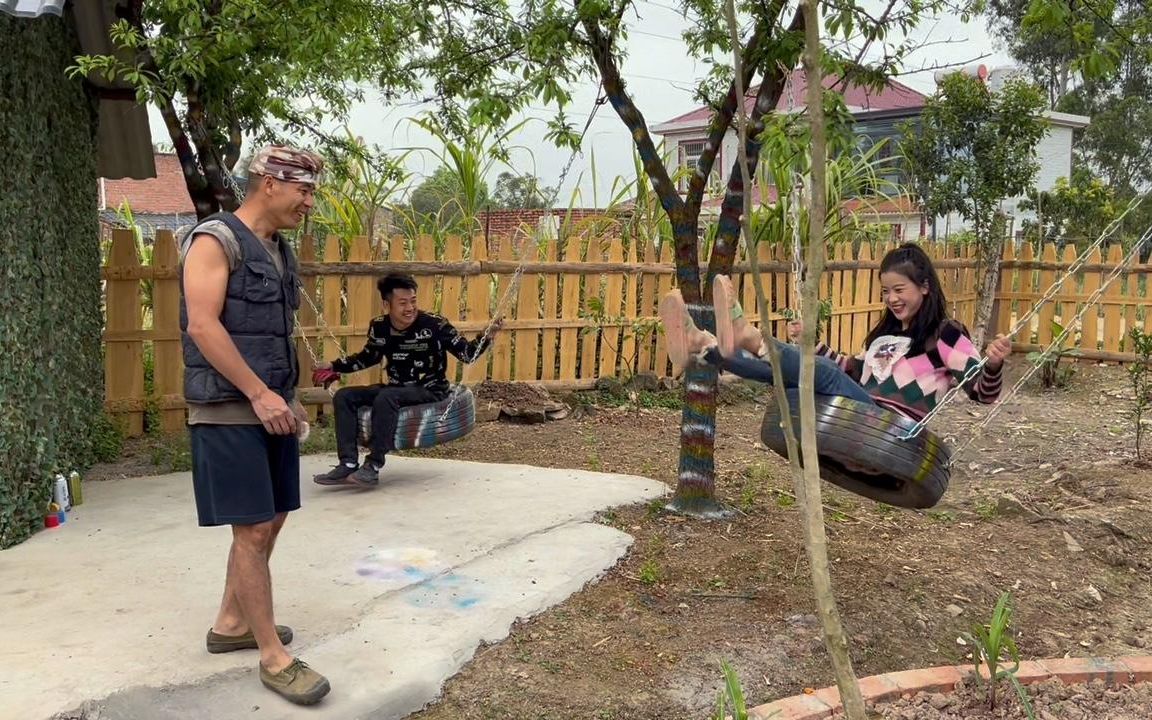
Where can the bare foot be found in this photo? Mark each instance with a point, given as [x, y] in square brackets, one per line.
[724, 302]
[733, 332]
[685, 340]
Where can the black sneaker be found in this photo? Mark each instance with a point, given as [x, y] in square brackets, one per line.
[369, 473]
[339, 475]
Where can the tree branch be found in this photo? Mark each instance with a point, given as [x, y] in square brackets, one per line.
[683, 224]
[234, 144]
[722, 120]
[222, 194]
[728, 227]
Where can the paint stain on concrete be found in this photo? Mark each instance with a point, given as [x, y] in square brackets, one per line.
[437, 587]
[400, 565]
[451, 591]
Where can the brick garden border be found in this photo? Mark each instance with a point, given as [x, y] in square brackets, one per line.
[891, 686]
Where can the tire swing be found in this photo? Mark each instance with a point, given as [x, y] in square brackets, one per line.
[435, 423]
[865, 449]
[418, 426]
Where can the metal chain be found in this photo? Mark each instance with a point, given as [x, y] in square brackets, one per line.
[518, 274]
[1090, 302]
[1049, 294]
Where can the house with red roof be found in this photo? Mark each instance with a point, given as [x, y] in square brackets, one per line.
[879, 115]
[156, 203]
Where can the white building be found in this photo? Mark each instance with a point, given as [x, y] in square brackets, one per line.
[878, 115]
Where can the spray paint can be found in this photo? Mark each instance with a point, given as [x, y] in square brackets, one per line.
[75, 493]
[60, 493]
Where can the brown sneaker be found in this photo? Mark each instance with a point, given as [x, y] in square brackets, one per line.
[218, 643]
[298, 683]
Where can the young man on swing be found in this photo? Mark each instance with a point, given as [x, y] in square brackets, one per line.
[414, 346]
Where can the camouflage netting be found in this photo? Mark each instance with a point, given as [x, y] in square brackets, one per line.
[51, 377]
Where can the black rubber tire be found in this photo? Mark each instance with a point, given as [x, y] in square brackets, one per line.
[911, 473]
[427, 425]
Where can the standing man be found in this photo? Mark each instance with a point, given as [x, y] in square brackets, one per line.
[414, 346]
[238, 292]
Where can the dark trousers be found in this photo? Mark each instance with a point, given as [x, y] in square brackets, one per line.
[385, 401]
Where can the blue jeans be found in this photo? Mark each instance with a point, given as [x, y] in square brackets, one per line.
[829, 379]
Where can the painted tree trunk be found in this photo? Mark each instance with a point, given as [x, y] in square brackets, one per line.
[51, 371]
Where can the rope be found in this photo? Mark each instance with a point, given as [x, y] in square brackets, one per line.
[1026, 319]
[1119, 270]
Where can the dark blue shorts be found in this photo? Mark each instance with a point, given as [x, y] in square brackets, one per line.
[242, 474]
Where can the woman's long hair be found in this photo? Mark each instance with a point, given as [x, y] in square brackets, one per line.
[913, 263]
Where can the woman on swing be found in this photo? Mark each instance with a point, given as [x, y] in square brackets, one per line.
[912, 357]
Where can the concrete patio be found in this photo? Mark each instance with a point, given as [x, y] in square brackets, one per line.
[389, 591]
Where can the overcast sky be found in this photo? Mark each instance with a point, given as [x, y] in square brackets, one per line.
[660, 77]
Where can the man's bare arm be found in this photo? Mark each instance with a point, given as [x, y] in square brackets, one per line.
[205, 286]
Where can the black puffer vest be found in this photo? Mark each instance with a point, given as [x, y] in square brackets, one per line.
[258, 314]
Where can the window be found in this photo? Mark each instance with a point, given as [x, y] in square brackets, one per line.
[690, 152]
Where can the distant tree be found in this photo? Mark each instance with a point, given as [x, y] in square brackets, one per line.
[515, 192]
[972, 149]
[439, 201]
[1073, 210]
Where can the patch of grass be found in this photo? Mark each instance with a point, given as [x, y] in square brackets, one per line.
[986, 509]
[784, 501]
[942, 516]
[107, 439]
[593, 462]
[757, 471]
[647, 399]
[655, 507]
[650, 572]
[884, 509]
[748, 495]
[170, 452]
[321, 440]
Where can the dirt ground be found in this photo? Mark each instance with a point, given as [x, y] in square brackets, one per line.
[1049, 700]
[1047, 502]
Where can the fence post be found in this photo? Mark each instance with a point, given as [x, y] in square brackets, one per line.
[1091, 322]
[550, 336]
[1047, 310]
[363, 305]
[167, 355]
[124, 358]
[450, 296]
[610, 335]
[479, 310]
[526, 351]
[592, 287]
[1113, 298]
[502, 345]
[307, 321]
[570, 312]
[628, 355]
[1002, 307]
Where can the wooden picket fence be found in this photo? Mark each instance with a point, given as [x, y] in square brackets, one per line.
[550, 335]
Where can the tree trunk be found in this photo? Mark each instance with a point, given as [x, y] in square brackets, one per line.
[51, 373]
[990, 246]
[696, 480]
[808, 490]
